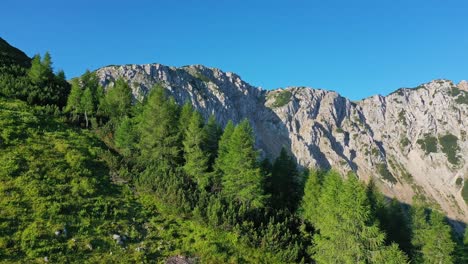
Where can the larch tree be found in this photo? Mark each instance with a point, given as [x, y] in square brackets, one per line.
[242, 180]
[346, 230]
[117, 101]
[74, 99]
[310, 200]
[87, 105]
[158, 128]
[196, 160]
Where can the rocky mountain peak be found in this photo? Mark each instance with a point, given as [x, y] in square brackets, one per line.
[412, 141]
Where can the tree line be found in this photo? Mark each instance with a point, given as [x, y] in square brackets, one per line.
[215, 174]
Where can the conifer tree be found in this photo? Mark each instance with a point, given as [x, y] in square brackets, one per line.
[347, 233]
[432, 240]
[74, 99]
[283, 182]
[117, 101]
[126, 137]
[184, 118]
[222, 162]
[40, 71]
[196, 160]
[310, 201]
[213, 133]
[87, 104]
[159, 135]
[242, 180]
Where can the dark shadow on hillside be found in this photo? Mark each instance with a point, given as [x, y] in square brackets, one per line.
[457, 225]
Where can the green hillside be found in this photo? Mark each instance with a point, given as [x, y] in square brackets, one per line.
[10, 55]
[88, 176]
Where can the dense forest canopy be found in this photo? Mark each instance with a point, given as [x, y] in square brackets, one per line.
[90, 176]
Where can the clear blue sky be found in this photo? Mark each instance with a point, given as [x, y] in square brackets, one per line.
[358, 48]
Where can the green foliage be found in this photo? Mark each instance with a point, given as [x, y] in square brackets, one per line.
[461, 96]
[283, 185]
[126, 137]
[450, 147]
[282, 98]
[386, 174]
[310, 200]
[242, 180]
[213, 134]
[117, 101]
[202, 77]
[10, 55]
[158, 130]
[402, 117]
[465, 192]
[52, 178]
[347, 232]
[196, 160]
[404, 142]
[428, 144]
[431, 240]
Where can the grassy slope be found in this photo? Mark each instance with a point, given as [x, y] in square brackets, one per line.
[53, 177]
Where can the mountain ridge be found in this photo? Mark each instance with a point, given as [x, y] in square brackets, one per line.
[325, 130]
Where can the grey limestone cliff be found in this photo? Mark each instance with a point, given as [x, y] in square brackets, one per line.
[411, 142]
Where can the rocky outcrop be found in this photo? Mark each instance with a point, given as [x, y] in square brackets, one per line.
[413, 141]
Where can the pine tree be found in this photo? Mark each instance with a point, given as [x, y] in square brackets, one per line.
[242, 180]
[283, 182]
[159, 135]
[196, 160]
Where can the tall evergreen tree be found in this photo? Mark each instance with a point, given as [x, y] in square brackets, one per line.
[283, 183]
[126, 137]
[159, 135]
[432, 241]
[222, 160]
[184, 119]
[213, 133]
[117, 101]
[310, 200]
[74, 99]
[347, 232]
[196, 160]
[45, 87]
[242, 180]
[41, 70]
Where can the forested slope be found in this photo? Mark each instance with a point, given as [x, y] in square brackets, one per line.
[88, 176]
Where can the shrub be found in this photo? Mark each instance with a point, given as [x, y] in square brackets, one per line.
[428, 144]
[404, 141]
[282, 98]
[386, 174]
[450, 147]
[465, 193]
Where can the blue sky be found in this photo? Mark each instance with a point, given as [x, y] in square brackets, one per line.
[357, 48]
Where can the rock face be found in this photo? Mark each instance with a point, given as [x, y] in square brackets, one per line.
[411, 142]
